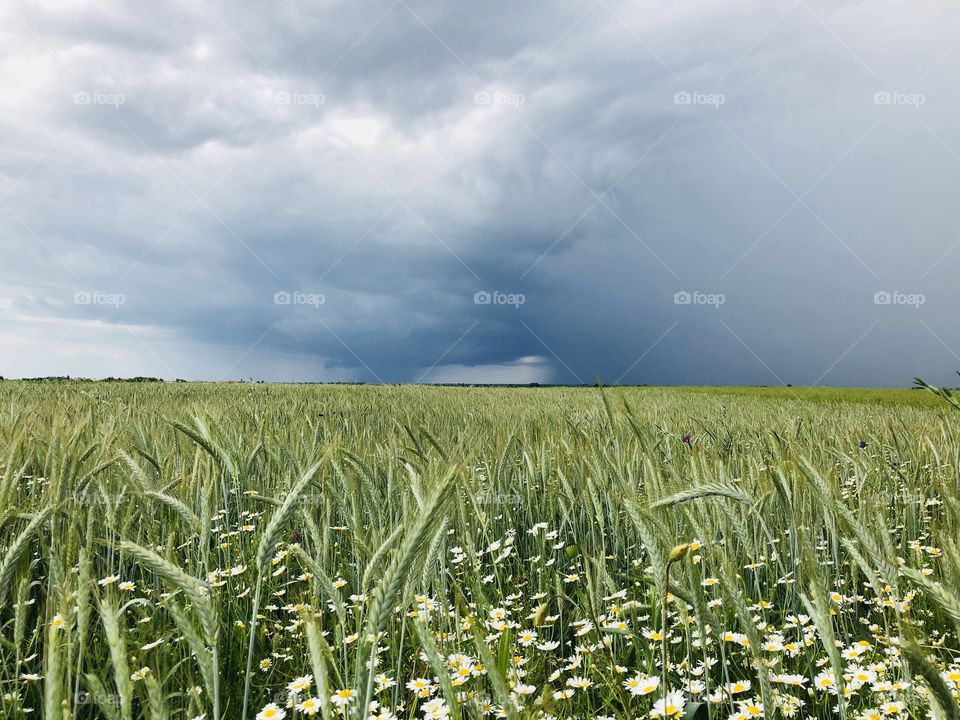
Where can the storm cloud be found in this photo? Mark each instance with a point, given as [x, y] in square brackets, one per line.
[413, 191]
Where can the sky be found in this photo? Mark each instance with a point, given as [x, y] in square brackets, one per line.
[641, 192]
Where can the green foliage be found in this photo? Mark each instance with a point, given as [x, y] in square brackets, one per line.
[524, 552]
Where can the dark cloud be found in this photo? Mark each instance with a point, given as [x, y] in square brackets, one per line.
[636, 192]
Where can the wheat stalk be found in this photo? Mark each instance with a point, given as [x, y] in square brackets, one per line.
[395, 575]
[17, 547]
[268, 542]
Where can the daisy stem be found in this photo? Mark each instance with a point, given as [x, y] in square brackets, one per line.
[250, 643]
[665, 613]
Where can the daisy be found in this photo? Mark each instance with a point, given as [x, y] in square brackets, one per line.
[342, 698]
[271, 712]
[640, 685]
[384, 682]
[751, 708]
[300, 684]
[670, 706]
[826, 680]
[435, 709]
[310, 706]
[421, 686]
[738, 687]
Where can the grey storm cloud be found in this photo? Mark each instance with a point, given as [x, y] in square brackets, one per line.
[637, 192]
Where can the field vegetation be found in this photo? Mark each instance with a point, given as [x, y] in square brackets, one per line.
[240, 551]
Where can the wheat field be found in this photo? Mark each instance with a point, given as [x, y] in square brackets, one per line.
[260, 551]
